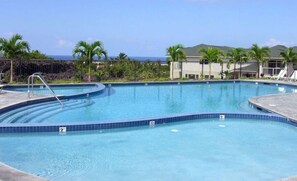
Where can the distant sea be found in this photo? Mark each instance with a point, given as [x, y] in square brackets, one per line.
[141, 59]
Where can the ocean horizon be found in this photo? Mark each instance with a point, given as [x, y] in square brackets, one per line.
[138, 58]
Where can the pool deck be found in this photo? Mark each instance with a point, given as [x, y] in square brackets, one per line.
[8, 173]
[282, 104]
[293, 178]
[10, 98]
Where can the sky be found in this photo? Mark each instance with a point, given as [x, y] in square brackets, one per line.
[148, 27]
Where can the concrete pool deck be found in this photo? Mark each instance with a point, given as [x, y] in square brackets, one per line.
[8, 173]
[282, 104]
[10, 98]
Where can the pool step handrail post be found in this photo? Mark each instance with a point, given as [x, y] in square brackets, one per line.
[31, 85]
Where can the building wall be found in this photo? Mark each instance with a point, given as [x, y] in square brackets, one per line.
[192, 68]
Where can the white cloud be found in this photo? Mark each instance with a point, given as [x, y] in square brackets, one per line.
[62, 43]
[90, 39]
[8, 34]
[273, 42]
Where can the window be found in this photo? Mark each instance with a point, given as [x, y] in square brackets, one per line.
[203, 61]
[275, 64]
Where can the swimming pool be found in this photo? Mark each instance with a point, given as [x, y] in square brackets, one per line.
[207, 149]
[246, 145]
[138, 101]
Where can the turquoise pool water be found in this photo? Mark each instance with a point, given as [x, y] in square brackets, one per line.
[197, 150]
[59, 90]
[121, 102]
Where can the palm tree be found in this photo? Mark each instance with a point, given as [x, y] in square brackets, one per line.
[14, 48]
[243, 59]
[211, 55]
[259, 54]
[220, 60]
[176, 54]
[88, 51]
[237, 55]
[122, 56]
[288, 56]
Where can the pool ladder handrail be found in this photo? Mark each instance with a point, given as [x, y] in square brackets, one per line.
[31, 85]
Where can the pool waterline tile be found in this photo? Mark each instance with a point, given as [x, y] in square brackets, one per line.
[22, 128]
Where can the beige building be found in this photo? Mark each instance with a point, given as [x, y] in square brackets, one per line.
[194, 68]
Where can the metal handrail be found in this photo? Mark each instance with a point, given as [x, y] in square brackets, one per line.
[31, 85]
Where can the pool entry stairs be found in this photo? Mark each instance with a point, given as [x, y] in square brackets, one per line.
[40, 77]
[38, 113]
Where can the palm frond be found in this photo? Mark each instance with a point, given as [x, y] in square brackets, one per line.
[176, 53]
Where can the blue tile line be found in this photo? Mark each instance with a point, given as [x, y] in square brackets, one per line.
[87, 126]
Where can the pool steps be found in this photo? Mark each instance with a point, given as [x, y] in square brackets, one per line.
[44, 110]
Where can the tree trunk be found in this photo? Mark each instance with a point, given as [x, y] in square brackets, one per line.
[287, 71]
[181, 70]
[89, 77]
[209, 70]
[11, 71]
[172, 68]
[202, 74]
[234, 70]
[258, 69]
[240, 70]
[222, 70]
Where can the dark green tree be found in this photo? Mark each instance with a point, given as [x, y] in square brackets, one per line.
[260, 54]
[211, 55]
[176, 54]
[88, 51]
[13, 49]
[288, 56]
[122, 56]
[37, 55]
[221, 60]
[237, 55]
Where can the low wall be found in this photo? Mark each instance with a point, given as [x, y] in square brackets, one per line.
[23, 68]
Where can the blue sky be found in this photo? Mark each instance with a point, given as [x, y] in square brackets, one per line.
[148, 27]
